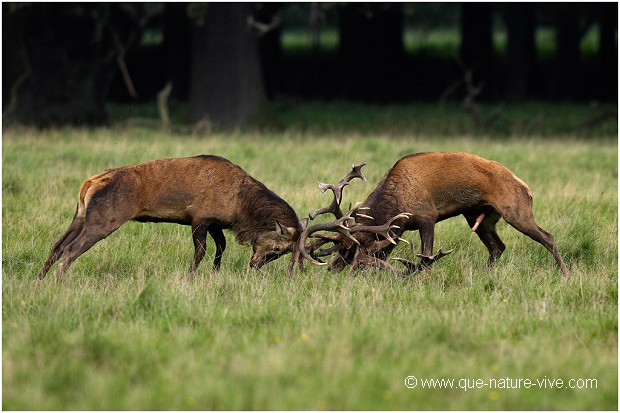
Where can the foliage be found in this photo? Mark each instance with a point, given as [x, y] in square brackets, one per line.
[122, 331]
[441, 42]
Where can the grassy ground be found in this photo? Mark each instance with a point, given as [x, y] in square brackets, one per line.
[121, 331]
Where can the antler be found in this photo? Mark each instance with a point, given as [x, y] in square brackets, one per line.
[345, 226]
[334, 207]
[384, 230]
[410, 267]
[426, 261]
[339, 225]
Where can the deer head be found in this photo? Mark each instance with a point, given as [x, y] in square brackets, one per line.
[271, 245]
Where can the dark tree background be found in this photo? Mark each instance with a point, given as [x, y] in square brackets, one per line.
[226, 81]
[371, 49]
[59, 60]
[63, 62]
[521, 58]
[476, 51]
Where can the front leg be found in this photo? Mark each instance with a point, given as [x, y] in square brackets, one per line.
[199, 236]
[427, 235]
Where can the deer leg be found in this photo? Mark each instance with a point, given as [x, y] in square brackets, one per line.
[220, 245]
[92, 232]
[427, 235]
[524, 223]
[102, 217]
[199, 236]
[72, 232]
[355, 263]
[487, 233]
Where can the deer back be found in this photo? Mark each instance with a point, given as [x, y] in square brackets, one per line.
[444, 184]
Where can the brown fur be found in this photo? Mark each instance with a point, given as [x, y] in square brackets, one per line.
[438, 185]
[207, 192]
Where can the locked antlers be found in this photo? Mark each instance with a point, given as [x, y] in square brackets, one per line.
[341, 233]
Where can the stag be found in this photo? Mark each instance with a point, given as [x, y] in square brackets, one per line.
[416, 193]
[207, 192]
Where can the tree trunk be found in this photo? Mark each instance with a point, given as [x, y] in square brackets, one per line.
[371, 48]
[65, 60]
[226, 83]
[608, 51]
[476, 49]
[270, 48]
[177, 48]
[567, 60]
[521, 56]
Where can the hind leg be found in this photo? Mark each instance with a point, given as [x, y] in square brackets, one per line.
[523, 221]
[98, 224]
[72, 232]
[488, 235]
[90, 235]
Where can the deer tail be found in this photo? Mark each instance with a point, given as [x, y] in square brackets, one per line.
[89, 187]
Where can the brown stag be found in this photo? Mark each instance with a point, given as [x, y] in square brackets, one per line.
[207, 192]
[416, 193]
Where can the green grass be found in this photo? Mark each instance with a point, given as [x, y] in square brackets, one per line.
[528, 119]
[121, 330]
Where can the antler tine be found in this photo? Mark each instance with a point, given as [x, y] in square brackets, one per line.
[435, 257]
[334, 207]
[427, 261]
[383, 230]
[321, 239]
[403, 240]
[356, 172]
[328, 251]
[336, 189]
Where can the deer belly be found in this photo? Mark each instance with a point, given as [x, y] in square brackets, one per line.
[168, 206]
[452, 201]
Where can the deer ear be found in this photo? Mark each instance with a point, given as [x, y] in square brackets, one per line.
[284, 231]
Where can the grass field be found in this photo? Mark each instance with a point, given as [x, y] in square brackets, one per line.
[122, 331]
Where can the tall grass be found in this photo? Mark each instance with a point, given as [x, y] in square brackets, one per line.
[121, 330]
